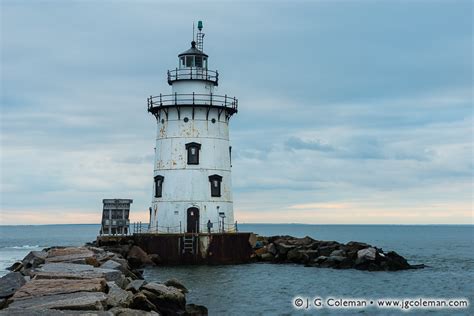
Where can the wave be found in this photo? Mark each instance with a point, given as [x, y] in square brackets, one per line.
[24, 247]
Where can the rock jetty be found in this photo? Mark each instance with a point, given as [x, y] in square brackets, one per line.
[327, 254]
[89, 281]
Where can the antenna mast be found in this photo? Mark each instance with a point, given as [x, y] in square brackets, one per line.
[200, 36]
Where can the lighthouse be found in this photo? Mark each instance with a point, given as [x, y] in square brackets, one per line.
[192, 185]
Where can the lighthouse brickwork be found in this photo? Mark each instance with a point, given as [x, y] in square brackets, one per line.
[192, 184]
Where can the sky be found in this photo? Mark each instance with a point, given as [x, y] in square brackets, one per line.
[350, 112]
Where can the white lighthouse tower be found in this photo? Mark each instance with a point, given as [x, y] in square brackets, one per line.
[192, 169]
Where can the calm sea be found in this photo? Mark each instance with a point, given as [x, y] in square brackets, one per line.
[264, 289]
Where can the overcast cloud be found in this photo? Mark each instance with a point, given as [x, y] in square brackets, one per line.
[349, 112]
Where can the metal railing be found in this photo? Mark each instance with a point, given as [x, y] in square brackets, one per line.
[192, 73]
[177, 99]
[145, 228]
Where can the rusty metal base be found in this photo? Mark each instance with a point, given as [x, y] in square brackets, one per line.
[176, 249]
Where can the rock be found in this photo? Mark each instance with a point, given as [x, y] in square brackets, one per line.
[260, 251]
[17, 266]
[137, 257]
[10, 283]
[267, 257]
[196, 310]
[34, 259]
[3, 303]
[367, 254]
[140, 301]
[176, 284]
[338, 253]
[111, 264]
[120, 265]
[396, 262]
[70, 301]
[271, 249]
[252, 240]
[52, 312]
[135, 285]
[118, 297]
[296, 255]
[166, 298]
[300, 241]
[120, 311]
[155, 258]
[69, 254]
[325, 249]
[311, 254]
[283, 248]
[357, 245]
[77, 271]
[43, 287]
[320, 259]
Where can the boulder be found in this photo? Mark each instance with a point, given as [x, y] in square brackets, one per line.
[137, 257]
[396, 262]
[339, 253]
[296, 255]
[176, 284]
[155, 258]
[34, 259]
[271, 249]
[44, 287]
[167, 299]
[267, 257]
[118, 297]
[196, 310]
[120, 311]
[260, 251]
[77, 271]
[252, 240]
[325, 249]
[70, 301]
[300, 241]
[10, 283]
[69, 254]
[283, 248]
[111, 264]
[135, 285]
[17, 266]
[141, 302]
[367, 254]
[52, 312]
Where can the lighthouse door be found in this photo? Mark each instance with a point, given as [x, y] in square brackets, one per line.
[193, 220]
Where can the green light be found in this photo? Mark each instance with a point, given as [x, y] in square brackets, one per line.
[200, 25]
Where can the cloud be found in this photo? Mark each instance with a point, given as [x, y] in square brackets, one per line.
[330, 113]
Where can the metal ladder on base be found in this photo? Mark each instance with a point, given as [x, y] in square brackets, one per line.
[188, 244]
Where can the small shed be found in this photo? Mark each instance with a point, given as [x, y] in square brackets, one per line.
[115, 215]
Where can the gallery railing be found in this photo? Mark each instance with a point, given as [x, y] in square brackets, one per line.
[193, 73]
[177, 99]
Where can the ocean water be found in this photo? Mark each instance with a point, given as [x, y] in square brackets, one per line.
[269, 289]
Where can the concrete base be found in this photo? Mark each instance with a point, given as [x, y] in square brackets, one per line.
[220, 248]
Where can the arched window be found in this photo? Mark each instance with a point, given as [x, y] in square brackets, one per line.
[158, 185]
[215, 181]
[193, 153]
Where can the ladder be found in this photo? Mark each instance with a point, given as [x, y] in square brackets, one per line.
[188, 244]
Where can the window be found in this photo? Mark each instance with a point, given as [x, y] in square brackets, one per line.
[215, 181]
[158, 185]
[189, 61]
[198, 61]
[230, 155]
[193, 153]
[205, 62]
[181, 65]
